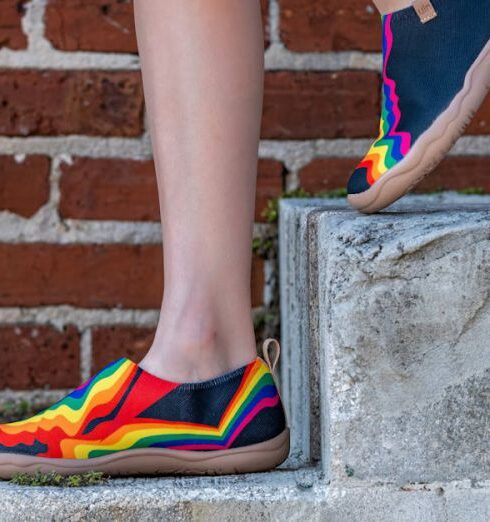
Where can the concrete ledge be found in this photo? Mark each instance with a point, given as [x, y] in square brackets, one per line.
[386, 324]
[300, 370]
[276, 496]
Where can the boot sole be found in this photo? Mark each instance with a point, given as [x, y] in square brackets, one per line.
[263, 456]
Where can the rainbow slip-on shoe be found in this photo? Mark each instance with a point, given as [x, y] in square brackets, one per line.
[125, 421]
[436, 74]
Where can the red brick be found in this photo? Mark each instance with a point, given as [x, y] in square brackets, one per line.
[91, 25]
[307, 105]
[481, 122]
[269, 185]
[11, 34]
[459, 172]
[91, 276]
[24, 185]
[326, 174]
[330, 25]
[111, 342]
[39, 356]
[105, 103]
[100, 25]
[264, 4]
[81, 275]
[454, 173]
[109, 189]
[126, 189]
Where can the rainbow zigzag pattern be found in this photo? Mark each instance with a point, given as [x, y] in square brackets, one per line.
[104, 416]
[391, 145]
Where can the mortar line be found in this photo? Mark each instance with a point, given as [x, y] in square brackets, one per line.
[86, 354]
[270, 282]
[40, 397]
[274, 22]
[78, 145]
[60, 316]
[276, 58]
[46, 227]
[299, 152]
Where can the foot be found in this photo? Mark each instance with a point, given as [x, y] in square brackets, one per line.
[436, 74]
[126, 421]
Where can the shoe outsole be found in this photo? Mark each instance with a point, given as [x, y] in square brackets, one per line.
[263, 456]
[433, 145]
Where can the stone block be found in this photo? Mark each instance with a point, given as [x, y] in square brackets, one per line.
[394, 320]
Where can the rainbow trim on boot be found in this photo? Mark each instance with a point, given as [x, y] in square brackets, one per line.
[392, 145]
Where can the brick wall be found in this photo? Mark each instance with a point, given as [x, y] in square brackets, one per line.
[77, 187]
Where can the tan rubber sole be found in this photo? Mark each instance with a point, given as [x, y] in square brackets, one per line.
[263, 456]
[433, 145]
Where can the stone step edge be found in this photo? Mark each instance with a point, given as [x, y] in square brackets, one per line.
[278, 495]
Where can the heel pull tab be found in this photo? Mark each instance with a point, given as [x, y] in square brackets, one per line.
[271, 358]
[425, 10]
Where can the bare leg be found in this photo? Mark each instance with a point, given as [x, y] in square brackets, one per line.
[202, 63]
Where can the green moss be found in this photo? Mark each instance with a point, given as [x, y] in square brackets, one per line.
[261, 246]
[16, 410]
[472, 191]
[91, 478]
[468, 191]
[333, 194]
[263, 319]
[271, 212]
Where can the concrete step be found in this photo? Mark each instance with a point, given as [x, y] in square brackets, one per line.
[386, 338]
[278, 496]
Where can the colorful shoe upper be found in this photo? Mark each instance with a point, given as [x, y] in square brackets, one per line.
[124, 407]
[424, 67]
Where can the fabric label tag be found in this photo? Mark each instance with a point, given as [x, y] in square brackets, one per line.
[425, 10]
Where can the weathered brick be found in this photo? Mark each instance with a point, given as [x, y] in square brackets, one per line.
[120, 189]
[11, 34]
[457, 173]
[264, 4]
[307, 105]
[93, 25]
[91, 276]
[100, 25]
[112, 342]
[269, 184]
[39, 356]
[24, 184]
[326, 174]
[330, 25]
[105, 103]
[481, 122]
[93, 188]
[81, 275]
[454, 173]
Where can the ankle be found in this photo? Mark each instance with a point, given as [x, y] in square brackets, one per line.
[184, 357]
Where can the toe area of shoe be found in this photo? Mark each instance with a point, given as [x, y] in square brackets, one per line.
[358, 182]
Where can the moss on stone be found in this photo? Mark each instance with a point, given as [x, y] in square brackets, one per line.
[16, 410]
[472, 191]
[91, 478]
